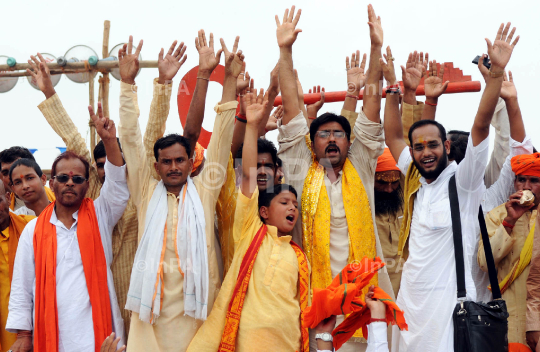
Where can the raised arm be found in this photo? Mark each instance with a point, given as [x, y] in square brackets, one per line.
[168, 67]
[301, 104]
[372, 92]
[393, 128]
[356, 79]
[499, 52]
[434, 87]
[509, 95]
[256, 105]
[208, 61]
[243, 86]
[313, 109]
[106, 130]
[411, 74]
[286, 34]
[273, 91]
[58, 118]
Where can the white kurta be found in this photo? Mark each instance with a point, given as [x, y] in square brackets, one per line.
[76, 329]
[428, 285]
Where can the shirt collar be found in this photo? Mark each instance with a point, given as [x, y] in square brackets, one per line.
[54, 220]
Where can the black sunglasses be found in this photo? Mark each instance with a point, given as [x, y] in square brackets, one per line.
[78, 180]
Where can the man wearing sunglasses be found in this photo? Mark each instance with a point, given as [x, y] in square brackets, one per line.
[63, 296]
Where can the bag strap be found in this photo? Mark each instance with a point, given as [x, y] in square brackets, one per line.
[458, 243]
[492, 270]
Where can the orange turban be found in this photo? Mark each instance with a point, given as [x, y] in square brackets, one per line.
[386, 162]
[198, 156]
[526, 164]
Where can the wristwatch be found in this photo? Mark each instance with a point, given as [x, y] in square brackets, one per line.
[325, 336]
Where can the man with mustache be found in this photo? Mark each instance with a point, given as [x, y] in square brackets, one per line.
[28, 183]
[428, 281]
[63, 296]
[11, 227]
[7, 158]
[335, 175]
[175, 278]
[125, 231]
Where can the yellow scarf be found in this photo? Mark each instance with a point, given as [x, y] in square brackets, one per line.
[316, 213]
[50, 196]
[524, 257]
[412, 185]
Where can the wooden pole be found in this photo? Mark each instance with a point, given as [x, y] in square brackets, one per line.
[102, 66]
[105, 79]
[91, 123]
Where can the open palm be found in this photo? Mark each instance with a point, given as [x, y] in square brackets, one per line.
[501, 50]
[169, 65]
[208, 60]
[129, 61]
[286, 32]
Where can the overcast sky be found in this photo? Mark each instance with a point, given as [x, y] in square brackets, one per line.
[451, 31]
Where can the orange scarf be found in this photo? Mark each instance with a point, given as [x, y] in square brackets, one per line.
[95, 272]
[344, 296]
[232, 323]
[16, 227]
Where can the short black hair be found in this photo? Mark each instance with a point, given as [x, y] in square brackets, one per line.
[421, 123]
[326, 118]
[279, 162]
[99, 150]
[169, 140]
[458, 144]
[25, 162]
[11, 154]
[263, 146]
[265, 197]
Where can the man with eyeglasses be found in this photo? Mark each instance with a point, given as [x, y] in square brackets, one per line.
[428, 282]
[62, 293]
[334, 173]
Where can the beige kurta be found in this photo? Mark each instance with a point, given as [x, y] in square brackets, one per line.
[506, 250]
[124, 238]
[173, 331]
[388, 226]
[533, 284]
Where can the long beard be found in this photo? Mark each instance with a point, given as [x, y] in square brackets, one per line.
[388, 203]
[431, 175]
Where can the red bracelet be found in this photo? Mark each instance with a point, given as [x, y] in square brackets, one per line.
[505, 224]
[373, 320]
[430, 104]
[312, 118]
[351, 96]
[24, 334]
[393, 86]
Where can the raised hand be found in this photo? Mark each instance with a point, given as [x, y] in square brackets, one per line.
[514, 209]
[388, 67]
[375, 28]
[105, 127]
[433, 82]
[412, 72]
[274, 118]
[244, 96]
[169, 65]
[40, 72]
[376, 307]
[508, 89]
[243, 80]
[234, 61]
[312, 109]
[129, 61]
[255, 107]
[286, 32]
[501, 50]
[274, 79]
[208, 61]
[356, 76]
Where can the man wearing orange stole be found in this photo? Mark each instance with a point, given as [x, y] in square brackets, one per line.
[265, 292]
[63, 296]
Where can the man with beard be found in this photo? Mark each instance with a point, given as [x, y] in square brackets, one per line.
[511, 228]
[63, 296]
[389, 213]
[335, 175]
[428, 285]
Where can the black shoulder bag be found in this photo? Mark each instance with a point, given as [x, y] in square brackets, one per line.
[478, 326]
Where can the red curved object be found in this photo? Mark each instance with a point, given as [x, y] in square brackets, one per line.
[185, 94]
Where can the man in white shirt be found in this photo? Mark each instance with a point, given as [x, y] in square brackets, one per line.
[428, 285]
[80, 300]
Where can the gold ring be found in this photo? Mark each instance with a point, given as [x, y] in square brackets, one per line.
[391, 58]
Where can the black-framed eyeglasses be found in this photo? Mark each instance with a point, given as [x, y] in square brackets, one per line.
[326, 134]
[62, 178]
[430, 145]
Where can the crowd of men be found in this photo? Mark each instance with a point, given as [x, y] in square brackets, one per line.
[149, 245]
